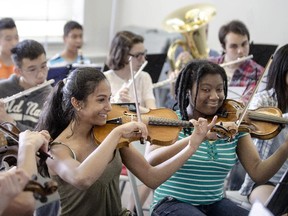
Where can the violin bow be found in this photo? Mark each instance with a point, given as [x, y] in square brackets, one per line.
[239, 121]
[135, 92]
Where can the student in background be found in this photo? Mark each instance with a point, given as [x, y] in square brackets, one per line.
[73, 43]
[275, 95]
[8, 39]
[234, 38]
[31, 70]
[29, 57]
[127, 46]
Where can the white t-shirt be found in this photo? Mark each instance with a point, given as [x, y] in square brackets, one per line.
[143, 83]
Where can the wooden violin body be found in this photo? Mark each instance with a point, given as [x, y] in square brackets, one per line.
[12, 132]
[163, 125]
[8, 157]
[262, 123]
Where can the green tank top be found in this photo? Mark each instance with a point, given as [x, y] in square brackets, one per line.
[102, 198]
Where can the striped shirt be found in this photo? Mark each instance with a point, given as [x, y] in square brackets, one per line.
[200, 180]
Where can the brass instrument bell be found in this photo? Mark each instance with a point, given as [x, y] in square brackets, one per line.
[191, 21]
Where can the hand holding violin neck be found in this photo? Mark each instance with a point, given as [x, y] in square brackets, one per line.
[13, 133]
[226, 130]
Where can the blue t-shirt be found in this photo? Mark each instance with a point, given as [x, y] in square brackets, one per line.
[59, 61]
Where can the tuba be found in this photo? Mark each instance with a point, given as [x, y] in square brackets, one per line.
[192, 22]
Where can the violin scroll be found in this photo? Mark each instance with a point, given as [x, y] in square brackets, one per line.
[40, 192]
[224, 132]
[262, 123]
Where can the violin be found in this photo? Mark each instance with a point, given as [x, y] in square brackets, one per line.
[163, 125]
[40, 192]
[12, 131]
[262, 123]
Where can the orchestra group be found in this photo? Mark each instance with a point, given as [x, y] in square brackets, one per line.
[81, 132]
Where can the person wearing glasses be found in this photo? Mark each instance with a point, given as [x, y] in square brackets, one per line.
[30, 62]
[127, 46]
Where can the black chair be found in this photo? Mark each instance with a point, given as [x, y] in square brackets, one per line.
[278, 200]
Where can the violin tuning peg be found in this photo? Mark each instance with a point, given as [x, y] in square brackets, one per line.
[34, 177]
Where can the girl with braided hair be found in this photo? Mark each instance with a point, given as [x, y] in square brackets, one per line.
[197, 187]
[87, 172]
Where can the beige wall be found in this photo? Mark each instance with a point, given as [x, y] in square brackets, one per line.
[267, 20]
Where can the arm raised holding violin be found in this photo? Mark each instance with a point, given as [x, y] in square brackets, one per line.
[88, 172]
[272, 96]
[19, 178]
[139, 166]
[201, 91]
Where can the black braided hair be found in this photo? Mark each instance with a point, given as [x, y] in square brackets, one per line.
[190, 75]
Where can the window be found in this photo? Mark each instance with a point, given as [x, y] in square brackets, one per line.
[42, 20]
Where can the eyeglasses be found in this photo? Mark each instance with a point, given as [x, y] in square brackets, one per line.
[139, 55]
[36, 70]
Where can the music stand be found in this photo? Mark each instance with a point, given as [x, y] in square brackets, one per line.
[278, 200]
[155, 65]
[60, 73]
[262, 52]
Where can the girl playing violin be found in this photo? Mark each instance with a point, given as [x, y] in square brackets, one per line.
[88, 174]
[274, 96]
[197, 187]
